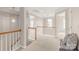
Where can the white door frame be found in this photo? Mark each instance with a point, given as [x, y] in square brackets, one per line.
[66, 19]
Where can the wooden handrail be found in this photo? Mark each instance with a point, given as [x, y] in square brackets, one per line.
[31, 28]
[46, 27]
[13, 31]
[2, 33]
[40, 26]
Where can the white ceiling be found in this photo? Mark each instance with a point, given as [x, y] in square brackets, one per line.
[9, 10]
[42, 11]
[38, 11]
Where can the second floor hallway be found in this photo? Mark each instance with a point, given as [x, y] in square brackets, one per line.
[36, 28]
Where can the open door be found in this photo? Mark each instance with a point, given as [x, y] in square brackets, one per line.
[61, 24]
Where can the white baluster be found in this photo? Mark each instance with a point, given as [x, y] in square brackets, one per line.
[12, 44]
[1, 43]
[16, 34]
[6, 41]
[9, 40]
[16, 37]
[13, 40]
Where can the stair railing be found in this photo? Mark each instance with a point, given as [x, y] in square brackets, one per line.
[9, 39]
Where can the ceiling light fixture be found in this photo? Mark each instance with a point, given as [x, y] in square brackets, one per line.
[13, 20]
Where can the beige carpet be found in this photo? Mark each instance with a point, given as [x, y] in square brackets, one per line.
[44, 43]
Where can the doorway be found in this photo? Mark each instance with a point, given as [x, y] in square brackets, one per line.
[61, 24]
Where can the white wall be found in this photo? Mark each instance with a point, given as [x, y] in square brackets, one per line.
[72, 19]
[39, 31]
[6, 22]
[75, 20]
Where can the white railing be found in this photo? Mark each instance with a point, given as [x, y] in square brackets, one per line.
[46, 31]
[36, 32]
[9, 39]
[32, 33]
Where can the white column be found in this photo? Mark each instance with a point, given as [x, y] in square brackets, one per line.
[24, 26]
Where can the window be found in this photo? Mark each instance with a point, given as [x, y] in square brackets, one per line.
[31, 20]
[49, 22]
[31, 23]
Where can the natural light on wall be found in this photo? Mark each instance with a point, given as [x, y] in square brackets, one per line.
[31, 20]
[49, 22]
[31, 23]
